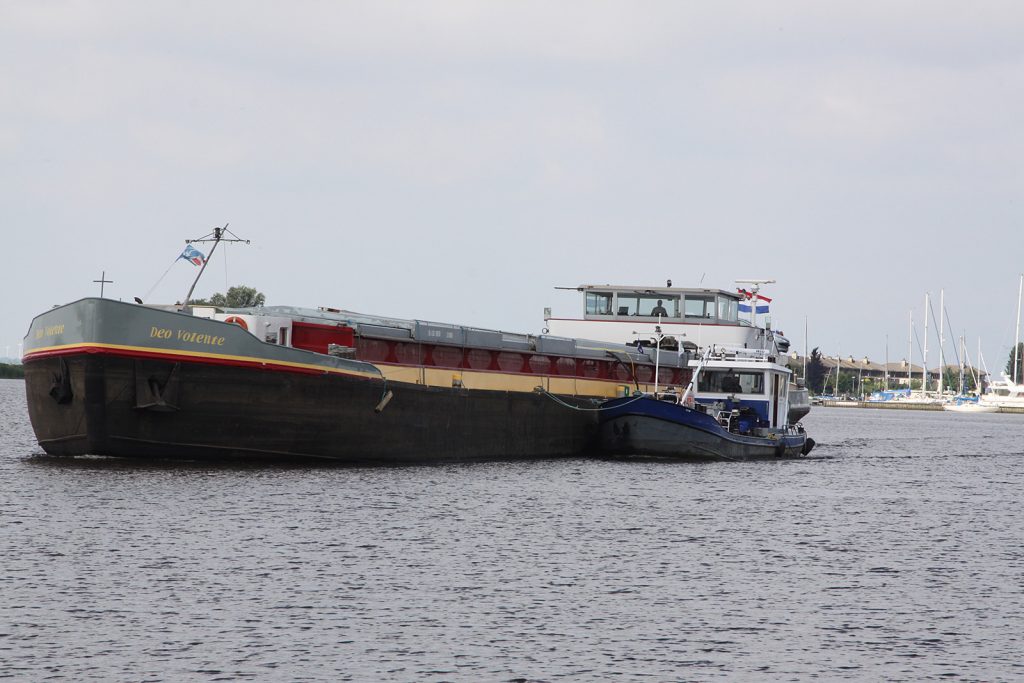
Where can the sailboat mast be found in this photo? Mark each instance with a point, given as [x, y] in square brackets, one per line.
[886, 363]
[1016, 338]
[942, 339]
[975, 372]
[963, 352]
[924, 353]
[910, 350]
[839, 363]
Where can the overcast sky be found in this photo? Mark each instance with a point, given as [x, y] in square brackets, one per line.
[456, 161]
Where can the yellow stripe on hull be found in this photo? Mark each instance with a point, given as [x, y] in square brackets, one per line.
[500, 381]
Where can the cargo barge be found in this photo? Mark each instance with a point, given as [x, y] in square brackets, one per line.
[105, 377]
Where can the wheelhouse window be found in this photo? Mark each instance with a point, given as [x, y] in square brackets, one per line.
[665, 306]
[730, 382]
[650, 305]
[599, 303]
[728, 311]
[699, 306]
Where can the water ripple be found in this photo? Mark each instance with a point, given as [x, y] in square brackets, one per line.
[897, 555]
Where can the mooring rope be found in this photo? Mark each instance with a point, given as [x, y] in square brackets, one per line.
[554, 398]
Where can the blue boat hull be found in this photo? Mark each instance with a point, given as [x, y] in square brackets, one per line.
[647, 427]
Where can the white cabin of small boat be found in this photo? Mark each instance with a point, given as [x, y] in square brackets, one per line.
[744, 379]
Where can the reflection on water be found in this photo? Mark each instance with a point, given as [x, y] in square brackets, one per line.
[895, 553]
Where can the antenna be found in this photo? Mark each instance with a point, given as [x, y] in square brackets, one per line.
[757, 283]
[217, 236]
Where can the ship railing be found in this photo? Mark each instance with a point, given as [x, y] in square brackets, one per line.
[737, 353]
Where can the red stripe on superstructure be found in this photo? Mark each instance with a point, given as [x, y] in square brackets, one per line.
[133, 353]
[318, 338]
[392, 352]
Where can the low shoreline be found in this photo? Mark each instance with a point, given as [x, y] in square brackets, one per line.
[894, 405]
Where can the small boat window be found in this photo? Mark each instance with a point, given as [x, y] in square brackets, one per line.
[599, 303]
[730, 382]
[728, 311]
[699, 306]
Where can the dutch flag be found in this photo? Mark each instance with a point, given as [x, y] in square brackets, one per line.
[760, 307]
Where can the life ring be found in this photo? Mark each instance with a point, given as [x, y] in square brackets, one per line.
[235, 320]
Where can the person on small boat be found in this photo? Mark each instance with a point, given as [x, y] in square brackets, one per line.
[731, 383]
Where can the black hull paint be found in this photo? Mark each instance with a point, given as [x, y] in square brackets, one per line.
[652, 428]
[105, 404]
[640, 435]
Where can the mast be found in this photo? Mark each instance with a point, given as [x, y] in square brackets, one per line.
[924, 359]
[658, 336]
[975, 371]
[805, 350]
[103, 281]
[1016, 338]
[886, 372]
[839, 364]
[217, 236]
[754, 289]
[910, 349]
[963, 353]
[942, 339]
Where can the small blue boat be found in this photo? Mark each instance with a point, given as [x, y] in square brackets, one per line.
[735, 408]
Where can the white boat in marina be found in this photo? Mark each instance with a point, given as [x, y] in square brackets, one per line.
[969, 405]
[1004, 393]
[969, 408]
[917, 397]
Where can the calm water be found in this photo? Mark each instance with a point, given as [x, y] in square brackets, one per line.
[894, 554]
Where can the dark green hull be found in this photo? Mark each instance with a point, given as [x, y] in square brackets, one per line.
[110, 405]
[108, 378]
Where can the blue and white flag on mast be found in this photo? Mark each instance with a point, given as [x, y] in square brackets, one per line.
[193, 255]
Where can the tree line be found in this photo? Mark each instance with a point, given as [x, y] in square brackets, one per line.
[820, 379]
[8, 371]
[239, 296]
